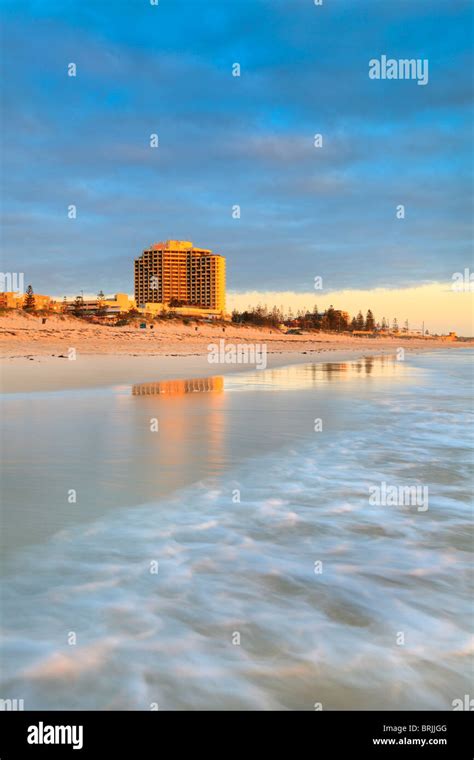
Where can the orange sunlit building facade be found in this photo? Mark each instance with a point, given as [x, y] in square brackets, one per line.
[176, 270]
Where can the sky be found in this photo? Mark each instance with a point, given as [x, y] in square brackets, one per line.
[246, 141]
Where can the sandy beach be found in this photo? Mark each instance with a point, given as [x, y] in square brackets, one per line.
[34, 356]
[236, 494]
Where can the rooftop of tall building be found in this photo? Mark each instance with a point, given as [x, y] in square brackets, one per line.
[177, 245]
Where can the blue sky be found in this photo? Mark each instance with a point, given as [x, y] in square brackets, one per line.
[227, 140]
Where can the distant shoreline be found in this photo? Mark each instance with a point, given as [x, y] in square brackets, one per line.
[35, 355]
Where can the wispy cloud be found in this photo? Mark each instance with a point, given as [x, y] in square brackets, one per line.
[306, 211]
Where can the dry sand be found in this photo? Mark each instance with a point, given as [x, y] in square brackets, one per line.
[35, 356]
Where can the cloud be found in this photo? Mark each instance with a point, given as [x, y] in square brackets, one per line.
[226, 140]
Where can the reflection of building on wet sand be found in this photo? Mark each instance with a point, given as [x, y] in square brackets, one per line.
[189, 411]
[295, 377]
[180, 387]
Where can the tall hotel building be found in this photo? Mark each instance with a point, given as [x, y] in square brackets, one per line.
[177, 270]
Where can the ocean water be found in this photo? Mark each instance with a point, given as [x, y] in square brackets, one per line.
[234, 558]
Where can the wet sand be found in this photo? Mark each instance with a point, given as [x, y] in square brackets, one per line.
[34, 357]
[235, 497]
[46, 373]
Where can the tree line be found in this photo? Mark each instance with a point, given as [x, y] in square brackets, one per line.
[333, 320]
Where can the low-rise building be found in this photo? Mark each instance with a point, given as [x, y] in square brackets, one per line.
[13, 300]
[120, 303]
[8, 300]
[161, 309]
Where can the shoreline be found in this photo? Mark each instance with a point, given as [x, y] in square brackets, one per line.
[34, 354]
[46, 373]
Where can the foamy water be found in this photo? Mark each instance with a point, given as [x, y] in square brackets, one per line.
[265, 498]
